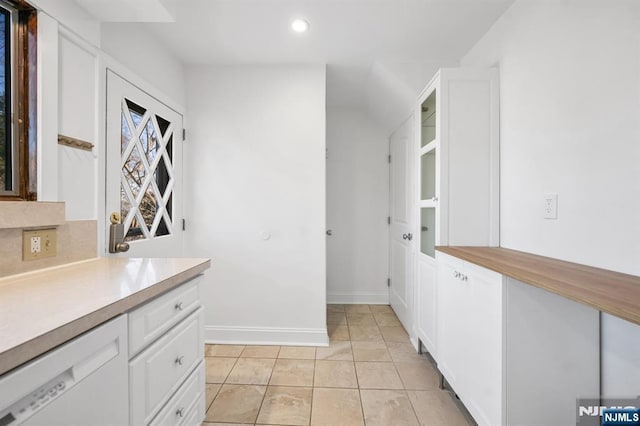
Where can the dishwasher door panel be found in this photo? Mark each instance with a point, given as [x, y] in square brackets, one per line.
[82, 382]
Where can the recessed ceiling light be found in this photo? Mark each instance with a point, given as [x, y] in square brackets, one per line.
[299, 25]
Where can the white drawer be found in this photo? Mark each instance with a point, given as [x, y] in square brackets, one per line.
[158, 371]
[187, 406]
[152, 320]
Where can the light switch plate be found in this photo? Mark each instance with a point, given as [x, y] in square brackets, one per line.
[39, 243]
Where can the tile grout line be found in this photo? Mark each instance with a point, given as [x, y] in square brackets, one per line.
[266, 389]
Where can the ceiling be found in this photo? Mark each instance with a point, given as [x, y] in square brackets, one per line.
[355, 38]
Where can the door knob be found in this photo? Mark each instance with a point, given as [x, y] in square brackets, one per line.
[329, 232]
[407, 236]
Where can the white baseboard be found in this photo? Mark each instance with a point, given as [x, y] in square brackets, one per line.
[359, 297]
[266, 336]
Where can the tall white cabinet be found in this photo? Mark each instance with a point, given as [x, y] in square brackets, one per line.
[457, 160]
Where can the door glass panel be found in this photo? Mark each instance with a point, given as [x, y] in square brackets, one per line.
[428, 128]
[428, 175]
[428, 231]
[147, 173]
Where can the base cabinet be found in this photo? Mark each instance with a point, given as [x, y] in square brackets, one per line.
[514, 354]
[166, 377]
[470, 335]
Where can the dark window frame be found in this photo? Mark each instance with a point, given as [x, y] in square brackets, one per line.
[24, 103]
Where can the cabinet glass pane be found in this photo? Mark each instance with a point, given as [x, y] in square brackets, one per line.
[428, 131]
[428, 175]
[428, 231]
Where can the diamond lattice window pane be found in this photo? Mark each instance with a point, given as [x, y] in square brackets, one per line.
[170, 147]
[163, 179]
[163, 124]
[148, 207]
[134, 172]
[149, 141]
[136, 112]
[162, 228]
[125, 134]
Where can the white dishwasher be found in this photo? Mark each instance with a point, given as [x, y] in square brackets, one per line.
[82, 382]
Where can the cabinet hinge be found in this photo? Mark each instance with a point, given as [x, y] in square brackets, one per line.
[184, 224]
[389, 159]
[388, 220]
[184, 135]
[388, 282]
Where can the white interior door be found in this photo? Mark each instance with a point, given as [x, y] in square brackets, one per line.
[143, 170]
[401, 229]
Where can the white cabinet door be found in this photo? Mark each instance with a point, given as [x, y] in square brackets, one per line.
[470, 336]
[452, 323]
[483, 381]
[426, 319]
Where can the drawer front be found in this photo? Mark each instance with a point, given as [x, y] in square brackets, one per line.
[152, 320]
[186, 406]
[158, 371]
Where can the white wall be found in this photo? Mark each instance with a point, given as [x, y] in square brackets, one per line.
[357, 208]
[570, 124]
[255, 160]
[144, 54]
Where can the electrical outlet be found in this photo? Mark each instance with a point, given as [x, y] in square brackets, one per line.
[38, 244]
[550, 206]
[35, 244]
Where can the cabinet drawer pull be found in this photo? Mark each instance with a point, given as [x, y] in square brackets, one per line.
[179, 360]
[180, 412]
[456, 274]
[179, 306]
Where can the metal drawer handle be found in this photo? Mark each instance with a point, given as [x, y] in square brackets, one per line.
[179, 306]
[180, 412]
[456, 274]
[179, 360]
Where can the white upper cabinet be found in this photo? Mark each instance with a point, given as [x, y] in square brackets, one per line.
[457, 162]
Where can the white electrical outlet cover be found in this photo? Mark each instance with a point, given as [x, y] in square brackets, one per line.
[550, 206]
[35, 244]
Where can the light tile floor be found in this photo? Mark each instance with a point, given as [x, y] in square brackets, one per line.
[369, 375]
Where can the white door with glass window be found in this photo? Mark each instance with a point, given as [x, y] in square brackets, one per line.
[143, 170]
[401, 230]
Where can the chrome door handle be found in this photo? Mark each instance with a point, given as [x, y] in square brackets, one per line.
[179, 360]
[179, 306]
[329, 232]
[407, 236]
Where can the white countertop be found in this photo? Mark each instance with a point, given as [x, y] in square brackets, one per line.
[42, 309]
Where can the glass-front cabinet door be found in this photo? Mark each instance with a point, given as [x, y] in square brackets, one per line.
[428, 163]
